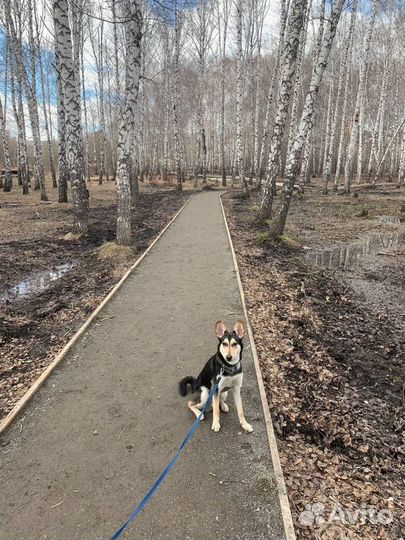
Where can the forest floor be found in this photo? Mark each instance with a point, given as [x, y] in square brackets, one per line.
[51, 281]
[328, 335]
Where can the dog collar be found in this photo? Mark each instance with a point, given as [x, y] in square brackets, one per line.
[228, 370]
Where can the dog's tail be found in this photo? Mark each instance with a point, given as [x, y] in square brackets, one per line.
[183, 385]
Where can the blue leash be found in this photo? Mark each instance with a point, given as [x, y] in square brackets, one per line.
[167, 469]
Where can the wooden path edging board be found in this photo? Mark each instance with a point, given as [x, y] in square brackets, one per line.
[281, 488]
[22, 402]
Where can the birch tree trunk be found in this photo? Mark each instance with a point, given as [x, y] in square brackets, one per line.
[20, 122]
[72, 113]
[381, 162]
[239, 97]
[166, 102]
[343, 78]
[287, 71]
[201, 36]
[401, 172]
[117, 86]
[328, 126]
[176, 97]
[97, 43]
[360, 152]
[297, 77]
[8, 180]
[354, 136]
[278, 223]
[87, 159]
[44, 104]
[63, 169]
[270, 94]
[259, 15]
[308, 142]
[222, 46]
[32, 103]
[133, 34]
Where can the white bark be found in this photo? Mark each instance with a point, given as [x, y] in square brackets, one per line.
[342, 88]
[175, 95]
[354, 136]
[278, 223]
[297, 78]
[381, 162]
[287, 70]
[133, 30]
[222, 39]
[32, 103]
[63, 168]
[401, 172]
[72, 113]
[16, 98]
[239, 98]
[8, 178]
[47, 120]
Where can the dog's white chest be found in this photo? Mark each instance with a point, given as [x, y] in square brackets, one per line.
[228, 382]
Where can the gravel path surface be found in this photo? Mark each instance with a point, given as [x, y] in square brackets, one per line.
[83, 453]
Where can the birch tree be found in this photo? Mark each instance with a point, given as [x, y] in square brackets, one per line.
[401, 172]
[270, 93]
[222, 18]
[342, 88]
[175, 95]
[354, 136]
[62, 164]
[201, 36]
[239, 97]
[72, 115]
[132, 14]
[339, 159]
[16, 99]
[278, 223]
[43, 92]
[287, 70]
[31, 98]
[97, 43]
[8, 180]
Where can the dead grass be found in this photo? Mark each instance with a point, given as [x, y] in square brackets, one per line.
[289, 242]
[71, 236]
[113, 251]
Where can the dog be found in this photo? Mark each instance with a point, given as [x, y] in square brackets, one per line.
[226, 363]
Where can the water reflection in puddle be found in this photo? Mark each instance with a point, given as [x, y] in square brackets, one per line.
[349, 255]
[35, 283]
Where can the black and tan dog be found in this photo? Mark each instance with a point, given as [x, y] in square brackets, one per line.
[227, 362]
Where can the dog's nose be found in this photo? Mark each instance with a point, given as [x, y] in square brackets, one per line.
[229, 357]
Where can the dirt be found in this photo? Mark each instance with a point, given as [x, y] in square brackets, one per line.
[330, 345]
[98, 434]
[41, 307]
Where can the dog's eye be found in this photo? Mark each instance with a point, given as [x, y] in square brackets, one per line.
[234, 344]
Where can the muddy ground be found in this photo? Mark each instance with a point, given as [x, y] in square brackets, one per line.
[50, 283]
[330, 343]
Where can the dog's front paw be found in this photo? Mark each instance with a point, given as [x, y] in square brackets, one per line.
[247, 427]
[224, 407]
[216, 426]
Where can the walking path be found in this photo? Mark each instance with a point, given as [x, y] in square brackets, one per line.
[93, 439]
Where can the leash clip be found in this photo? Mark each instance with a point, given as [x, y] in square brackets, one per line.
[220, 374]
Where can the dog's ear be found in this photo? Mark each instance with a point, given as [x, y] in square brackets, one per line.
[239, 329]
[220, 329]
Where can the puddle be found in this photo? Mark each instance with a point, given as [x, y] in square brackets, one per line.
[389, 220]
[34, 284]
[347, 256]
